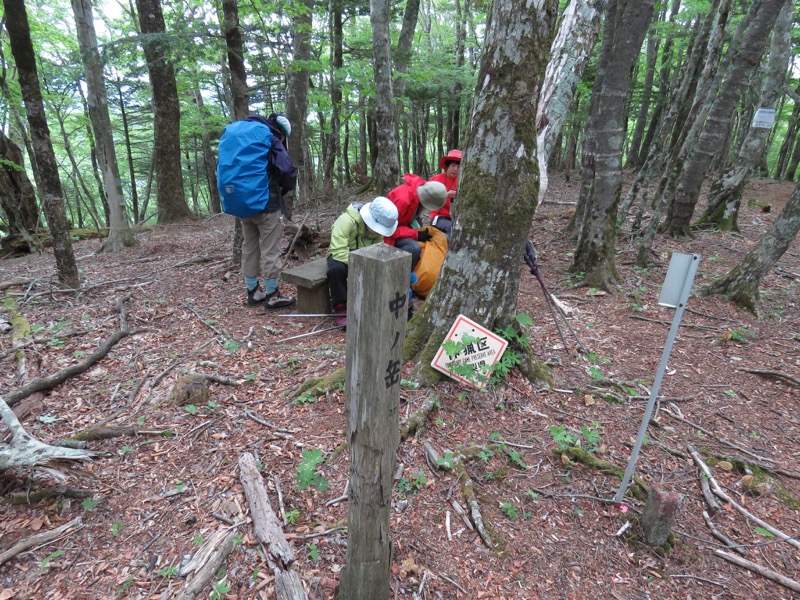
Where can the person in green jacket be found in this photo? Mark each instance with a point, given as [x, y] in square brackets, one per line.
[359, 226]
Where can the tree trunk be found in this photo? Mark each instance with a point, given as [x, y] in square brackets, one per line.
[570, 52]
[297, 95]
[497, 196]
[19, 37]
[128, 150]
[726, 191]
[170, 196]
[626, 24]
[647, 90]
[336, 58]
[386, 173]
[742, 282]
[235, 46]
[745, 59]
[119, 231]
[17, 196]
[209, 162]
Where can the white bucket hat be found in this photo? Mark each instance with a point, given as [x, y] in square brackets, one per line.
[432, 195]
[380, 215]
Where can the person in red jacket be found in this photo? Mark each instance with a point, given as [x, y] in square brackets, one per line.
[410, 198]
[451, 165]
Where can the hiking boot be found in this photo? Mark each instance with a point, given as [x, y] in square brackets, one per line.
[275, 301]
[256, 296]
[340, 315]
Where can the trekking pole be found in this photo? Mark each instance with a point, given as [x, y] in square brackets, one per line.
[531, 259]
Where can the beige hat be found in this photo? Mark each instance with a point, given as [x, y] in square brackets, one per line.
[432, 195]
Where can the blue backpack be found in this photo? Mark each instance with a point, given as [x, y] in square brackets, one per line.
[242, 177]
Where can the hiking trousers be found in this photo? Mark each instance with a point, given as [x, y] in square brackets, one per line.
[261, 246]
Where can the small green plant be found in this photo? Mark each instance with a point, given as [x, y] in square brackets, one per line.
[591, 436]
[411, 485]
[447, 461]
[509, 510]
[305, 399]
[219, 590]
[117, 528]
[212, 405]
[191, 409]
[36, 328]
[306, 475]
[89, 504]
[125, 449]
[485, 455]
[250, 377]
[180, 486]
[198, 539]
[409, 384]
[313, 552]
[238, 540]
[47, 419]
[730, 393]
[78, 353]
[231, 346]
[61, 324]
[534, 496]
[50, 558]
[514, 457]
[563, 438]
[167, 572]
[292, 516]
[741, 335]
[140, 421]
[126, 584]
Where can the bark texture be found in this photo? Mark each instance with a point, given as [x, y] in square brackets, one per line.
[499, 183]
[119, 233]
[386, 174]
[166, 115]
[19, 36]
[626, 23]
[17, 196]
[742, 282]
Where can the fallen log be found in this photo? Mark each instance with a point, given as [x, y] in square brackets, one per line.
[206, 562]
[39, 539]
[268, 530]
[764, 571]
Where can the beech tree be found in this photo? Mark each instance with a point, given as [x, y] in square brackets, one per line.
[498, 188]
[19, 36]
[119, 231]
[166, 115]
[626, 23]
[387, 167]
[741, 284]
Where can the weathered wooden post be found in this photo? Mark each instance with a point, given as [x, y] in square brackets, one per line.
[377, 309]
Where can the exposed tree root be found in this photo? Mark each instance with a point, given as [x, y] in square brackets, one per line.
[639, 488]
[319, 386]
[417, 420]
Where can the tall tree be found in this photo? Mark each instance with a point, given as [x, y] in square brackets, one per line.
[742, 282]
[626, 24]
[726, 191]
[119, 231]
[499, 183]
[387, 166]
[744, 59]
[170, 196]
[19, 36]
[297, 92]
[572, 47]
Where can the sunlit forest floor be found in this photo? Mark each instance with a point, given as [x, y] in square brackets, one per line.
[160, 490]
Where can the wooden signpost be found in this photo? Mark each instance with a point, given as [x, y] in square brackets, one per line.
[377, 309]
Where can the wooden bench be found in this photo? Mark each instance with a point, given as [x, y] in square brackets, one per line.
[311, 279]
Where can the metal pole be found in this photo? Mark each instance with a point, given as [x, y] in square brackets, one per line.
[651, 402]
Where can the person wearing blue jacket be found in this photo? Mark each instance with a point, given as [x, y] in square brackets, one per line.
[255, 173]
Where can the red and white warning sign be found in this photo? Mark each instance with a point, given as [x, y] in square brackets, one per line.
[475, 347]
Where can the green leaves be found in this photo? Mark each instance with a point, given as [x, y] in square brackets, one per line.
[306, 475]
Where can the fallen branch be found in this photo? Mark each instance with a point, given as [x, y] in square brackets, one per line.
[755, 568]
[721, 536]
[780, 375]
[715, 487]
[705, 475]
[39, 539]
[41, 384]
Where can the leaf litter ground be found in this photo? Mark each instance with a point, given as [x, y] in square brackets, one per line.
[157, 493]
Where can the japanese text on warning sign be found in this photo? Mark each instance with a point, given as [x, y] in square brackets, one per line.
[477, 348]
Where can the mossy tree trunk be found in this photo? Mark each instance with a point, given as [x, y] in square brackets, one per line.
[742, 282]
[498, 188]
